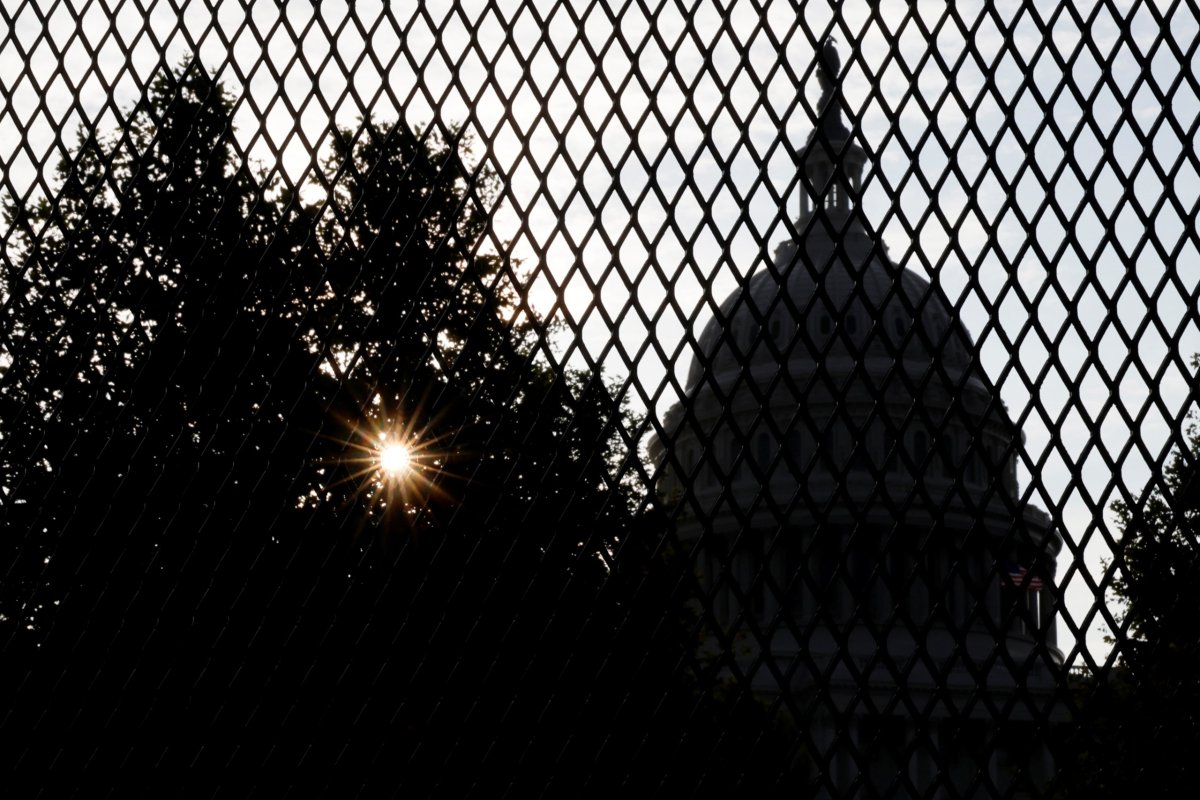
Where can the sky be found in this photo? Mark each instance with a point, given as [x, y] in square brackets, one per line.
[646, 158]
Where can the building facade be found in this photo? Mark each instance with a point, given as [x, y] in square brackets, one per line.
[843, 476]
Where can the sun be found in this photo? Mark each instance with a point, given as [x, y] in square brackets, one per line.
[395, 459]
[393, 464]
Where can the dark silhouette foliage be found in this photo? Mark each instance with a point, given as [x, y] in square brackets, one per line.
[1140, 721]
[207, 573]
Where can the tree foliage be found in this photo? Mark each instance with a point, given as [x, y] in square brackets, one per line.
[207, 568]
[1140, 719]
[122, 292]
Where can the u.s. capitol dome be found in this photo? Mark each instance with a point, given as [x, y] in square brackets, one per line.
[842, 474]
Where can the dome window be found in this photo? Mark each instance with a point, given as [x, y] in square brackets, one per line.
[891, 454]
[899, 326]
[763, 451]
[826, 325]
[795, 446]
[974, 466]
[858, 457]
[831, 459]
[740, 456]
[949, 456]
[920, 441]
[851, 323]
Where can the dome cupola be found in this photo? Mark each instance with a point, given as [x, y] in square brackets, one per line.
[832, 164]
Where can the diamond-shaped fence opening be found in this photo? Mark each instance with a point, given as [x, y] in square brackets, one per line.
[554, 399]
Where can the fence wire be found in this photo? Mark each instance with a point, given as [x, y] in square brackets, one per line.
[539, 399]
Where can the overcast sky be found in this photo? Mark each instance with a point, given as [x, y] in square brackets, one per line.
[662, 141]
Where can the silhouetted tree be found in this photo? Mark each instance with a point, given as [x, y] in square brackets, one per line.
[201, 371]
[159, 384]
[1140, 720]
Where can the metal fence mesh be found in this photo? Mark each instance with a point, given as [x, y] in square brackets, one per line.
[554, 399]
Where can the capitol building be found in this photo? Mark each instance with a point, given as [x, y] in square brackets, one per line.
[842, 475]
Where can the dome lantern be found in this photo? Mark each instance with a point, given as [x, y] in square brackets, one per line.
[832, 163]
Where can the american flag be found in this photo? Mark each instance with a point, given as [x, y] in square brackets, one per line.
[1022, 578]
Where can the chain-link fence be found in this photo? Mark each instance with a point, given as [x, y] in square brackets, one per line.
[552, 399]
